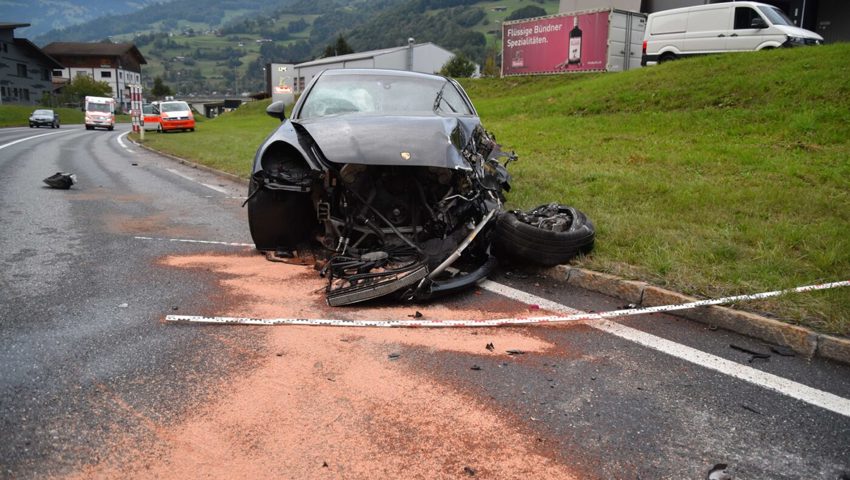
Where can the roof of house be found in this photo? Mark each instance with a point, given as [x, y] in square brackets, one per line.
[25, 44]
[357, 56]
[10, 25]
[83, 49]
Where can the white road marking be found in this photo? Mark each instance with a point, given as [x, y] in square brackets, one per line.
[187, 177]
[757, 377]
[229, 198]
[124, 145]
[205, 242]
[30, 138]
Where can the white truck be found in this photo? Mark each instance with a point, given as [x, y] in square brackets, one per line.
[100, 112]
[719, 27]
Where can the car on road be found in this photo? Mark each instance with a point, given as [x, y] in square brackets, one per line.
[44, 118]
[151, 116]
[100, 112]
[391, 180]
[175, 115]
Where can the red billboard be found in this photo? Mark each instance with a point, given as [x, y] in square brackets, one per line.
[556, 44]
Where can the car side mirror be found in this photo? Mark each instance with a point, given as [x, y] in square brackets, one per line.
[758, 22]
[277, 110]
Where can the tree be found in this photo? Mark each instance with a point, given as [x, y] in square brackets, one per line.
[340, 47]
[81, 86]
[458, 66]
[491, 69]
[160, 89]
[529, 11]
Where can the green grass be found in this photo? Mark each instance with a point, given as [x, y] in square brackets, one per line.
[18, 115]
[712, 176]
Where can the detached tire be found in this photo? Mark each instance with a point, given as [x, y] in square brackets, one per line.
[547, 235]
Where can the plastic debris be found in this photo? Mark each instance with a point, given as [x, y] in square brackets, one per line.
[475, 367]
[418, 314]
[393, 356]
[469, 471]
[515, 352]
[782, 351]
[755, 355]
[61, 180]
[123, 305]
[719, 472]
[490, 346]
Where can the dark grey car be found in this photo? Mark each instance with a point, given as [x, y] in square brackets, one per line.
[390, 180]
[44, 118]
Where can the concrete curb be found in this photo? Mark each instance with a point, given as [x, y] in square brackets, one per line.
[802, 340]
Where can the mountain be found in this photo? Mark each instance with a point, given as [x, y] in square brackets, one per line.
[46, 15]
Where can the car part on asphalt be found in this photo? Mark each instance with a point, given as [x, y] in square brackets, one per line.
[393, 175]
[61, 180]
[547, 235]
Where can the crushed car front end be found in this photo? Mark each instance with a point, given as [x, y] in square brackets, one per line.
[400, 198]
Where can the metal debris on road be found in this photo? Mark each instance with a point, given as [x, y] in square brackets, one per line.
[490, 346]
[515, 352]
[475, 367]
[418, 314]
[393, 356]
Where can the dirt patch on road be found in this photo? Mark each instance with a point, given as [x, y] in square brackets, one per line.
[333, 403]
[158, 224]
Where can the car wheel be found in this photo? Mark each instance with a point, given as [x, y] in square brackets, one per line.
[667, 57]
[158, 128]
[279, 220]
[31, 125]
[547, 235]
[89, 127]
[110, 128]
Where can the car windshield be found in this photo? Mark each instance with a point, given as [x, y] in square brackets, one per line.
[776, 16]
[383, 94]
[174, 107]
[43, 112]
[99, 107]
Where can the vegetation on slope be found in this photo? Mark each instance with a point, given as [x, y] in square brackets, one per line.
[713, 176]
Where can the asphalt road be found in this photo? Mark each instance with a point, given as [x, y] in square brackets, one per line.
[93, 379]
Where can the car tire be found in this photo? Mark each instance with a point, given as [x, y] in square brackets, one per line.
[513, 237]
[159, 128]
[667, 57]
[89, 127]
[279, 220]
[110, 128]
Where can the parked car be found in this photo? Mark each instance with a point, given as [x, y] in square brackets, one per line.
[175, 115]
[391, 179]
[44, 118]
[720, 27]
[151, 116]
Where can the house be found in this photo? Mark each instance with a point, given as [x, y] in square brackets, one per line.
[25, 70]
[118, 64]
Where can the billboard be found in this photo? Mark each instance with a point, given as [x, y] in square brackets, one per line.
[556, 44]
[282, 81]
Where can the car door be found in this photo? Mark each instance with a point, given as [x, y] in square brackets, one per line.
[708, 29]
[744, 37]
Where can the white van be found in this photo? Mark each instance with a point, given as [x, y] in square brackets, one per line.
[100, 112]
[719, 27]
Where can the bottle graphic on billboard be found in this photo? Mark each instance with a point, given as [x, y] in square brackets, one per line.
[517, 61]
[574, 55]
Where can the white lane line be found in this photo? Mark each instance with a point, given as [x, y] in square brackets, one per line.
[124, 145]
[187, 177]
[527, 298]
[205, 242]
[757, 377]
[229, 198]
[217, 189]
[29, 138]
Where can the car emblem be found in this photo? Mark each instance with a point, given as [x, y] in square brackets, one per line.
[405, 155]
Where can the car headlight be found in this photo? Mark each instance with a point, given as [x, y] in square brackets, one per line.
[796, 40]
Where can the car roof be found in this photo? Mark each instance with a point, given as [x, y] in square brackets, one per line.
[381, 72]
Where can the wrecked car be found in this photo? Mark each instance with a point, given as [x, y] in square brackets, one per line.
[392, 174]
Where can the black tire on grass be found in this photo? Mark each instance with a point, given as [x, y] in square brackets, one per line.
[515, 238]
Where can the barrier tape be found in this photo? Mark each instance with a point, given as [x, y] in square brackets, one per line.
[499, 322]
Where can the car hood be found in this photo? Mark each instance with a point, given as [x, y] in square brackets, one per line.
[403, 140]
[798, 32]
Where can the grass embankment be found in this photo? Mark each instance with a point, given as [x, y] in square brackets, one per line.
[712, 176]
[18, 115]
